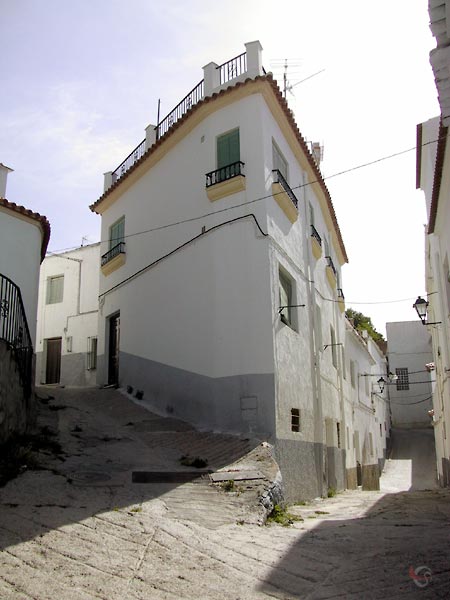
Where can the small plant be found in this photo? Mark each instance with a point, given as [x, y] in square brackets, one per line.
[139, 394]
[130, 389]
[321, 512]
[301, 503]
[193, 461]
[331, 492]
[228, 486]
[280, 515]
[136, 509]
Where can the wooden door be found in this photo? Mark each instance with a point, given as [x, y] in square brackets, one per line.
[53, 366]
[113, 352]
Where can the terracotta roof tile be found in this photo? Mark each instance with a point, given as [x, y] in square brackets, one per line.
[211, 98]
[43, 221]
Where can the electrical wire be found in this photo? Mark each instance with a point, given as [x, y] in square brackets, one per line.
[175, 223]
[411, 403]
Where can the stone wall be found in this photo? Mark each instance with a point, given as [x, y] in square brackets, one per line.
[17, 410]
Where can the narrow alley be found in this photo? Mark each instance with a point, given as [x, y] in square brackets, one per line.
[80, 529]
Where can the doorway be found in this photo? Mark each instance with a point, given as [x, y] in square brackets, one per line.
[53, 364]
[113, 350]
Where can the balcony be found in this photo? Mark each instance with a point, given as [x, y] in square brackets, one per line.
[225, 181]
[216, 77]
[341, 300]
[316, 243]
[331, 272]
[113, 259]
[284, 196]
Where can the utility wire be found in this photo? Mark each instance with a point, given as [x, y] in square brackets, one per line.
[300, 186]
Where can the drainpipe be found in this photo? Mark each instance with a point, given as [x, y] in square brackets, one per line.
[314, 350]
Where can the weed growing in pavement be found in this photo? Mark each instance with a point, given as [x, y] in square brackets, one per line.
[331, 492]
[136, 509]
[301, 503]
[193, 461]
[281, 516]
[321, 512]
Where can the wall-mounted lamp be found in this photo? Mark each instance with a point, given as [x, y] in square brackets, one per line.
[381, 383]
[421, 306]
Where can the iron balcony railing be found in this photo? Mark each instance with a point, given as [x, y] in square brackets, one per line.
[340, 294]
[132, 158]
[224, 173]
[113, 252]
[331, 265]
[315, 235]
[278, 178]
[14, 328]
[233, 68]
[194, 96]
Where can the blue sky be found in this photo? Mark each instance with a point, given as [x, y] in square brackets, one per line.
[81, 81]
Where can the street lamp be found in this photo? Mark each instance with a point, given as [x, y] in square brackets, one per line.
[421, 306]
[381, 382]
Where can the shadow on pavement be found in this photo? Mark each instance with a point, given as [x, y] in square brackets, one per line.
[106, 440]
[399, 548]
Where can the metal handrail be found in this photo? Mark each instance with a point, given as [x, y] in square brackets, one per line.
[315, 235]
[278, 178]
[225, 173]
[233, 68]
[14, 328]
[190, 100]
[112, 253]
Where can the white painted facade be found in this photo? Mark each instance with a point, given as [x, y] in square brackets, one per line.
[410, 350]
[434, 179]
[197, 281]
[72, 317]
[21, 239]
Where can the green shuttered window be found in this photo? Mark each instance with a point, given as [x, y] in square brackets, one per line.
[117, 233]
[228, 151]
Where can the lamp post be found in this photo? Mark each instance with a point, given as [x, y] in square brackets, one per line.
[421, 306]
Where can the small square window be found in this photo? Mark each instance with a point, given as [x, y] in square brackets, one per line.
[295, 419]
[55, 289]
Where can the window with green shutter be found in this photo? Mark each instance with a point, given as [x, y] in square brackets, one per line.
[228, 150]
[55, 289]
[117, 233]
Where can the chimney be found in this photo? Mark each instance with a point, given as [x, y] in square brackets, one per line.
[4, 170]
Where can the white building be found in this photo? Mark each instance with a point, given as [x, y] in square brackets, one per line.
[409, 353]
[24, 237]
[433, 177]
[66, 350]
[221, 272]
[368, 423]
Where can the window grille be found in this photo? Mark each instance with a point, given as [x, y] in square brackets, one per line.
[92, 353]
[403, 378]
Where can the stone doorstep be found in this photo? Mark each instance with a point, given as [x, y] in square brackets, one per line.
[236, 476]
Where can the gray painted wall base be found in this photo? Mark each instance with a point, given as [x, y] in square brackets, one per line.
[73, 370]
[240, 404]
[300, 464]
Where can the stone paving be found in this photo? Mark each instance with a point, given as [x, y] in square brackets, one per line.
[81, 530]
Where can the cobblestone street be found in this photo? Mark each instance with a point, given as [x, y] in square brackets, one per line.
[81, 530]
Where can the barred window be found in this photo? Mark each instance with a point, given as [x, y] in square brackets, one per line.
[92, 353]
[403, 378]
[55, 289]
[295, 419]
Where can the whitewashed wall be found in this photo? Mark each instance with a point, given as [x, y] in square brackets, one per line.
[75, 318]
[20, 256]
